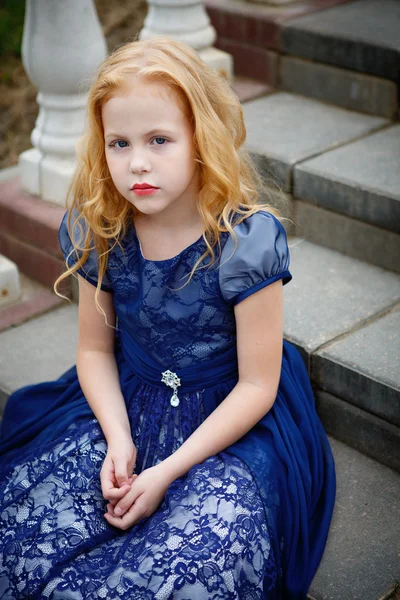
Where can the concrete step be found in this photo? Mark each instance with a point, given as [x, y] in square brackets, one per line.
[347, 55]
[361, 559]
[35, 299]
[339, 167]
[342, 314]
[357, 187]
[361, 35]
[341, 52]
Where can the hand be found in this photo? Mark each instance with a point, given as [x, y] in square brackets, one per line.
[116, 473]
[141, 500]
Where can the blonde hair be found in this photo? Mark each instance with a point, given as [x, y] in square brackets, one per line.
[230, 184]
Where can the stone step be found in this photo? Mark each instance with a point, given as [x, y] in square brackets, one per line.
[34, 300]
[341, 52]
[362, 36]
[340, 313]
[342, 87]
[361, 558]
[349, 200]
[29, 232]
[325, 157]
[360, 179]
[347, 55]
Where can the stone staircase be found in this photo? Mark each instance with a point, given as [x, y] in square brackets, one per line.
[322, 117]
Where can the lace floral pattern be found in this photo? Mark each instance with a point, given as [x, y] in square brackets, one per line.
[207, 540]
[182, 327]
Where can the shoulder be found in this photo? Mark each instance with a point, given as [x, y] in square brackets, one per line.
[258, 256]
[258, 225]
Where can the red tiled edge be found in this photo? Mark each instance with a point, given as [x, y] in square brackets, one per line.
[34, 262]
[248, 89]
[18, 313]
[256, 24]
[29, 218]
[251, 61]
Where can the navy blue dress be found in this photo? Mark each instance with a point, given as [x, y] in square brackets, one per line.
[250, 522]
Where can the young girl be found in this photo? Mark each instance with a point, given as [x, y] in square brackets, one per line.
[182, 457]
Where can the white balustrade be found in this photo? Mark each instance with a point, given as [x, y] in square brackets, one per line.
[188, 22]
[62, 45]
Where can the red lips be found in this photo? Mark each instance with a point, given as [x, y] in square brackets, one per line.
[143, 186]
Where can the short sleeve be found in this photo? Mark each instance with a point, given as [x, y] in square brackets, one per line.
[90, 269]
[262, 257]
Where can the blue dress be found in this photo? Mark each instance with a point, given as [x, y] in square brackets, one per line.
[250, 522]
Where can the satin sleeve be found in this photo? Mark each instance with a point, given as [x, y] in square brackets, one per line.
[90, 269]
[262, 257]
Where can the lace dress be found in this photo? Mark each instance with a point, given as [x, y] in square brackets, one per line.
[250, 522]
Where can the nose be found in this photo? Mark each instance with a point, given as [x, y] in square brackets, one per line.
[139, 162]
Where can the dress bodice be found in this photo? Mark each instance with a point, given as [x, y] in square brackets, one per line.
[181, 327]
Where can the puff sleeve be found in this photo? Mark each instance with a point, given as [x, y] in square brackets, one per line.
[90, 269]
[262, 257]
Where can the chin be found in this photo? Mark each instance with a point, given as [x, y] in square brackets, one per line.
[148, 208]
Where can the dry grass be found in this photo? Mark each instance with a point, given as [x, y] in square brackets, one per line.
[120, 19]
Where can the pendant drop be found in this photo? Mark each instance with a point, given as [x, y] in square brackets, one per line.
[174, 400]
[172, 380]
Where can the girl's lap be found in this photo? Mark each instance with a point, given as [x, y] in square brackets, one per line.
[207, 537]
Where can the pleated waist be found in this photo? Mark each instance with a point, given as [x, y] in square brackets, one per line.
[201, 375]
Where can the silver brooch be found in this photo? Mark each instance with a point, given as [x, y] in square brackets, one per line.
[172, 380]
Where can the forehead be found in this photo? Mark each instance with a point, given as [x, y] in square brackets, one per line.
[141, 104]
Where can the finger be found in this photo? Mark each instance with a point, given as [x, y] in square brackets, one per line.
[126, 503]
[133, 515]
[121, 473]
[117, 493]
[107, 479]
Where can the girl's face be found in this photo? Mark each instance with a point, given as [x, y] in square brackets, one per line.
[148, 140]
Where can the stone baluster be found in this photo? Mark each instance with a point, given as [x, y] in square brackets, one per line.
[188, 22]
[62, 45]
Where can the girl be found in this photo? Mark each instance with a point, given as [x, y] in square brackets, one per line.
[182, 457]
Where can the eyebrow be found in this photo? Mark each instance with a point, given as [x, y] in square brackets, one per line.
[159, 129]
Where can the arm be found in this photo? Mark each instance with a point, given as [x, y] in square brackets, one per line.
[259, 323]
[96, 365]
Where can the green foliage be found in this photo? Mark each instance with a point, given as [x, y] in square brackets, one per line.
[12, 13]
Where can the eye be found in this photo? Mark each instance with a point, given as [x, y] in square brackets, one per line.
[160, 138]
[112, 145]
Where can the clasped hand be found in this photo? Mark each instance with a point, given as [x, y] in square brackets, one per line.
[131, 498]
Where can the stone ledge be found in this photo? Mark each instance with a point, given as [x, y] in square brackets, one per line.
[34, 262]
[351, 237]
[29, 218]
[284, 129]
[360, 179]
[364, 432]
[361, 561]
[251, 61]
[342, 87]
[256, 24]
[35, 299]
[362, 368]
[330, 294]
[362, 36]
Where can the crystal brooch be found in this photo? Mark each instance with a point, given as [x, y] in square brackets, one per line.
[172, 380]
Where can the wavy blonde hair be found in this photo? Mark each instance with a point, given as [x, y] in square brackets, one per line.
[230, 184]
